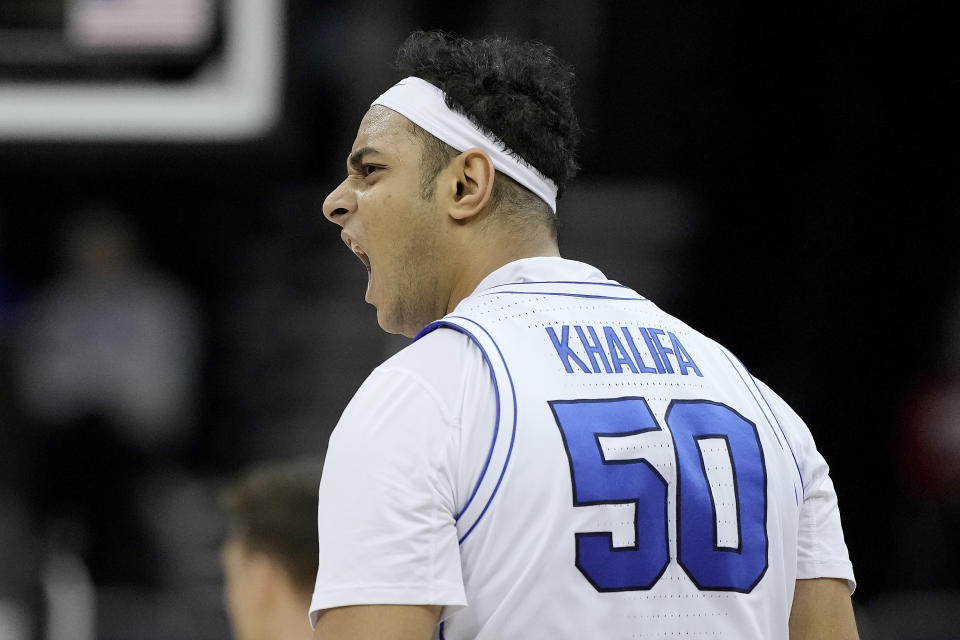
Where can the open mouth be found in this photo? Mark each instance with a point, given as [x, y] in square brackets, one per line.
[364, 259]
[357, 251]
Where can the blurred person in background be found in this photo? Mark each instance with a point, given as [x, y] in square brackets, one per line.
[8, 290]
[270, 554]
[105, 368]
[553, 456]
[19, 579]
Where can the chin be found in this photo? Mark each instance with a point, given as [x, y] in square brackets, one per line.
[399, 331]
[388, 323]
[398, 326]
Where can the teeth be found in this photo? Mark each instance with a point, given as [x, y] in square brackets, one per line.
[357, 251]
[363, 257]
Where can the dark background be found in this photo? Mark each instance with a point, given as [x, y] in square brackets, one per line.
[806, 151]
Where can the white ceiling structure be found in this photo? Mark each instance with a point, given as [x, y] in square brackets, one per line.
[235, 96]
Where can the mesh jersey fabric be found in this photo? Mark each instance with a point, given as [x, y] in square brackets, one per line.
[559, 458]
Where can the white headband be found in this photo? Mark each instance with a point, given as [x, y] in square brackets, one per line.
[424, 105]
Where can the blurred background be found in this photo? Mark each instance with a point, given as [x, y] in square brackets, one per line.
[174, 308]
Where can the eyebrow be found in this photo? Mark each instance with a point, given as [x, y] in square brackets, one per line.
[354, 161]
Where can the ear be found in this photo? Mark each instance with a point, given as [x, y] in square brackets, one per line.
[474, 175]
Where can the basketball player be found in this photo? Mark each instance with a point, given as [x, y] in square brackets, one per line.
[553, 456]
[269, 557]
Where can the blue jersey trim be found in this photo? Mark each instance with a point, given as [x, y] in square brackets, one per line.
[601, 284]
[569, 295]
[743, 380]
[777, 420]
[496, 424]
[496, 386]
[759, 406]
[513, 433]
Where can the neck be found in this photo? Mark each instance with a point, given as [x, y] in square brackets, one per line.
[484, 255]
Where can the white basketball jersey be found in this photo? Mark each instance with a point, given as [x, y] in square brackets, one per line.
[640, 483]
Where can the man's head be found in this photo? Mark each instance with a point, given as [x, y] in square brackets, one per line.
[99, 242]
[270, 554]
[518, 91]
[428, 220]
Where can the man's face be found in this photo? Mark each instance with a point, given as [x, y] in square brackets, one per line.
[389, 226]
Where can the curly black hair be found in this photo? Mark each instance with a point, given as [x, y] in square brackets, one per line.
[519, 91]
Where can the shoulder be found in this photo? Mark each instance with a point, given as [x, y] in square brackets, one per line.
[417, 402]
[442, 350]
[785, 414]
[435, 369]
[811, 464]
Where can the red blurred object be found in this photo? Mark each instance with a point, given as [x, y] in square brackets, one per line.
[930, 440]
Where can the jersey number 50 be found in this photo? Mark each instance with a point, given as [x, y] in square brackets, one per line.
[732, 560]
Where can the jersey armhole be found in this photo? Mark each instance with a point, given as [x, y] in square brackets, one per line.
[505, 422]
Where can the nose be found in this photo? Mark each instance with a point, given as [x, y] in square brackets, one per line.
[339, 203]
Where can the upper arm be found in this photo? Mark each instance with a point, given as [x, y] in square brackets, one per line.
[386, 513]
[378, 622]
[389, 496]
[822, 610]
